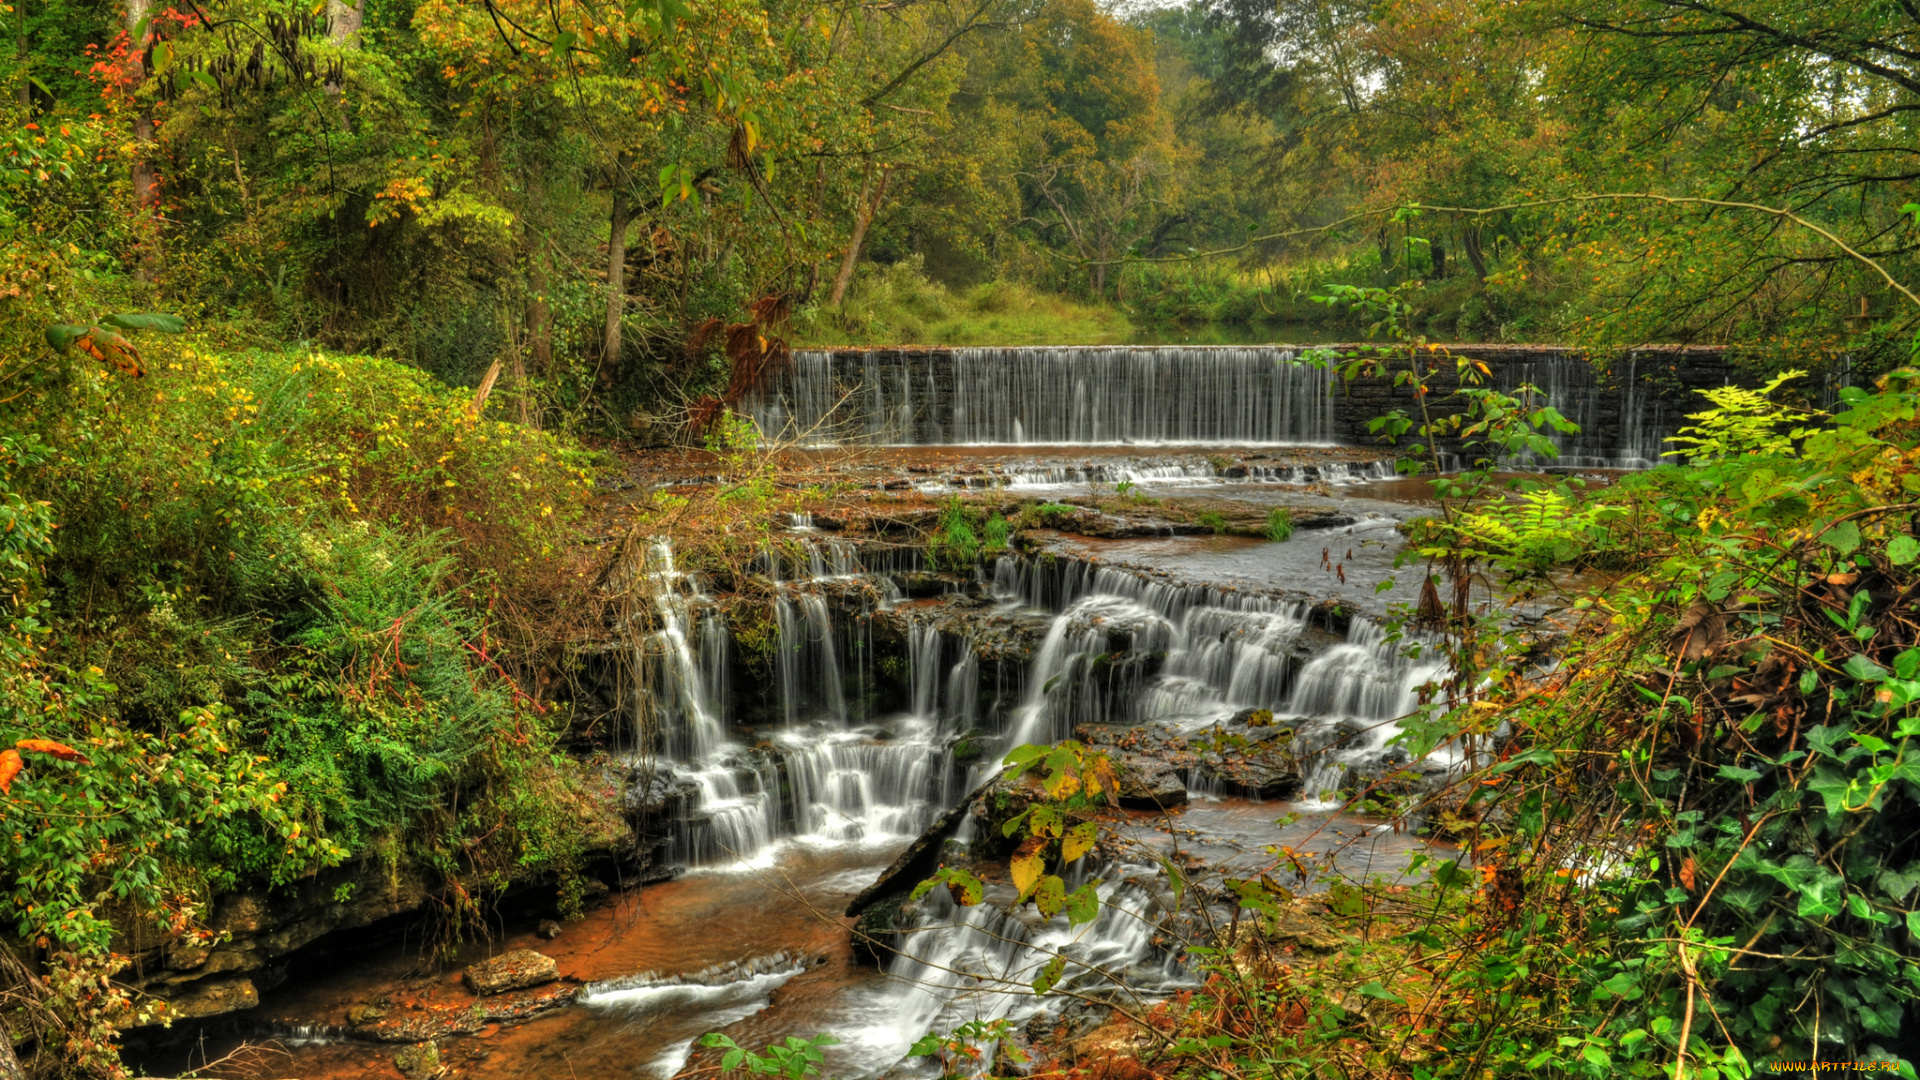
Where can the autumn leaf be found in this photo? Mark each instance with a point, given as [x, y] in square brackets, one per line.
[1028, 864]
[1687, 873]
[10, 766]
[53, 749]
[1079, 841]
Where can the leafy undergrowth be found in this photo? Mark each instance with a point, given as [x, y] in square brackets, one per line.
[289, 608]
[900, 305]
[1691, 852]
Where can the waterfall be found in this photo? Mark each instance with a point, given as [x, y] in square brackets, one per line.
[1222, 650]
[976, 963]
[693, 725]
[1347, 698]
[1080, 395]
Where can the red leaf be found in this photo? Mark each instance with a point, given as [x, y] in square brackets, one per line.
[59, 750]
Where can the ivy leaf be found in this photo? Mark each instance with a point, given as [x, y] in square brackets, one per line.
[1375, 990]
[1864, 669]
[1902, 550]
[1844, 537]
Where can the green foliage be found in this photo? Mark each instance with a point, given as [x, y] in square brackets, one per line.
[954, 544]
[269, 619]
[1530, 531]
[1072, 778]
[1743, 421]
[962, 1051]
[1213, 521]
[797, 1059]
[1751, 688]
[998, 535]
[900, 305]
[1279, 524]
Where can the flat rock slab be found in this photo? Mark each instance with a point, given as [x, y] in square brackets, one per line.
[515, 970]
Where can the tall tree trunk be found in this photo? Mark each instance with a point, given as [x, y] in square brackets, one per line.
[617, 266]
[146, 185]
[861, 219]
[540, 320]
[1470, 243]
[344, 21]
[1439, 256]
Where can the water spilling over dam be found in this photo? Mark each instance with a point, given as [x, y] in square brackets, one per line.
[1624, 406]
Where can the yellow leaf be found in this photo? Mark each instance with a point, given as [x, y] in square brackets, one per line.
[1079, 841]
[1028, 865]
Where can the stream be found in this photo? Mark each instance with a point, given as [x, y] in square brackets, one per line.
[882, 706]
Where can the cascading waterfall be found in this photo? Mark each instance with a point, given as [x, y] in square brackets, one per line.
[1083, 395]
[1169, 395]
[1223, 650]
[1348, 696]
[831, 775]
[976, 963]
[1121, 647]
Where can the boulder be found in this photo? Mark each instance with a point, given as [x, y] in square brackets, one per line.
[1149, 783]
[418, 1062]
[547, 930]
[514, 970]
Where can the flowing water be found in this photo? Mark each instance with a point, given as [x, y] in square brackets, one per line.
[1241, 395]
[806, 753]
[1175, 395]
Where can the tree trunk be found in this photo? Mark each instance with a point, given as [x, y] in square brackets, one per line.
[343, 23]
[1439, 256]
[146, 185]
[540, 321]
[861, 219]
[485, 389]
[616, 267]
[517, 361]
[1470, 242]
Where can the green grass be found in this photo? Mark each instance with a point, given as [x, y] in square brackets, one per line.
[900, 305]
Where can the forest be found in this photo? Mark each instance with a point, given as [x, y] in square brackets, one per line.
[805, 538]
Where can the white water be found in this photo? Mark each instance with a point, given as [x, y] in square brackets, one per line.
[1083, 394]
[1164, 396]
[1120, 647]
[828, 776]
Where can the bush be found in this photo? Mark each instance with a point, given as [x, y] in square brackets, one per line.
[307, 580]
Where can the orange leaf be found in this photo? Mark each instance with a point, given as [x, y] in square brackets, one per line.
[1686, 873]
[10, 766]
[59, 750]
